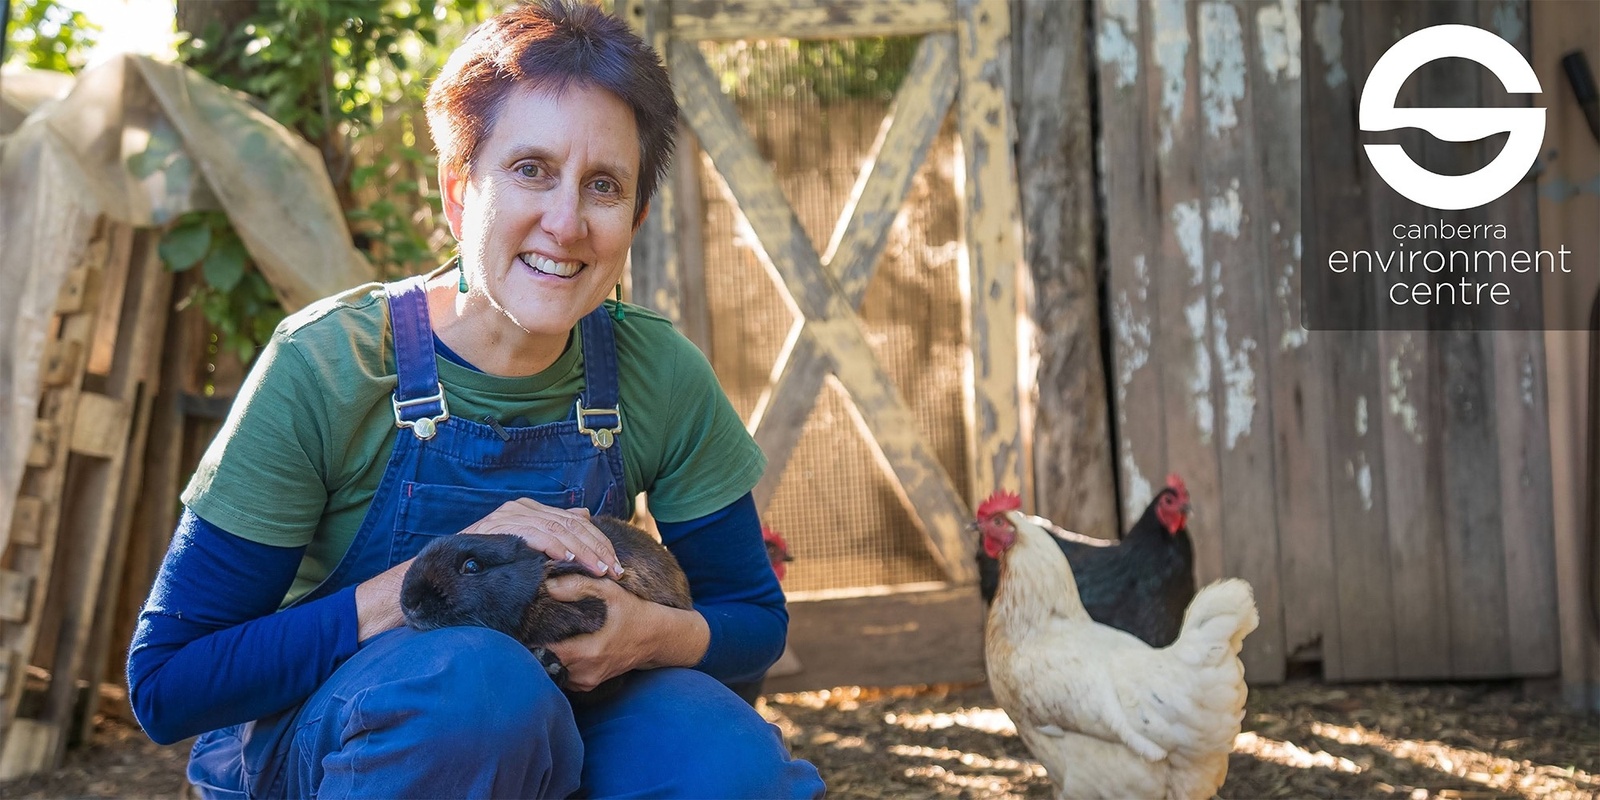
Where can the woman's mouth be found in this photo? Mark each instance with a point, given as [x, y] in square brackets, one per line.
[542, 265]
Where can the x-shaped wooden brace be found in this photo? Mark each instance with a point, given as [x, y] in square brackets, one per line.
[828, 290]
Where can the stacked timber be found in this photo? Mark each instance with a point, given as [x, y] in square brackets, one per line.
[98, 499]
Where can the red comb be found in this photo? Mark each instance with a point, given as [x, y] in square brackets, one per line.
[999, 503]
[1175, 482]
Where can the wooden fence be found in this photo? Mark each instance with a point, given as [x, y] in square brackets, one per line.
[1386, 493]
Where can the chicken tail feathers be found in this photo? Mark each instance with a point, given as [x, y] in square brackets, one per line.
[1216, 622]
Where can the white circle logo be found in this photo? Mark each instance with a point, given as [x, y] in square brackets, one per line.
[1526, 125]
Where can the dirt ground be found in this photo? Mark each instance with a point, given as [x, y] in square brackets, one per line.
[1470, 741]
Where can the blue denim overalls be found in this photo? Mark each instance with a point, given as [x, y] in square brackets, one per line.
[414, 714]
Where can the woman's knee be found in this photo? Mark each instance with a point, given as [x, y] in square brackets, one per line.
[469, 687]
[681, 717]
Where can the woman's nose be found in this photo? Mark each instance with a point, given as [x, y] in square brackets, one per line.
[563, 216]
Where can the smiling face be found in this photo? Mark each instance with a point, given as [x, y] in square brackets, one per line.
[545, 218]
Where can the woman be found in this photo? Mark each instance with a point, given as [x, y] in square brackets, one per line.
[497, 394]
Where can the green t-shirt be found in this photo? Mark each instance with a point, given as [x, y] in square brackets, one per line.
[306, 443]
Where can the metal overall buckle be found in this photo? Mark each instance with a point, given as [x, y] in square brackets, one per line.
[602, 437]
[425, 427]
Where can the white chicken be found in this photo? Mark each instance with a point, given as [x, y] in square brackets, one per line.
[1106, 714]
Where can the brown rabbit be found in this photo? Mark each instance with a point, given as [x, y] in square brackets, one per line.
[497, 582]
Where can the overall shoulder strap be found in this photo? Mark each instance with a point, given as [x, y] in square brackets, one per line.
[599, 406]
[419, 401]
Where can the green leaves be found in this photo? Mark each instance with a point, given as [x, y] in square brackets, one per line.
[185, 243]
[232, 295]
[46, 34]
[224, 265]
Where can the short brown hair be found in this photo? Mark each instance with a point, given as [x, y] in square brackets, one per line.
[552, 44]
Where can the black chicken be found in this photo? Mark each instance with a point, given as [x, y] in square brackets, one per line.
[1140, 584]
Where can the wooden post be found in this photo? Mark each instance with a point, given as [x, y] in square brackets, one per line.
[1074, 479]
[994, 250]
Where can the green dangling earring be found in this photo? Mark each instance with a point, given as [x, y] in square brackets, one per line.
[461, 271]
[616, 311]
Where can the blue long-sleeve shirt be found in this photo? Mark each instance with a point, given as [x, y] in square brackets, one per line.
[211, 648]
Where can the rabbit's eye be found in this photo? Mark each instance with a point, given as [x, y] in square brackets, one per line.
[470, 567]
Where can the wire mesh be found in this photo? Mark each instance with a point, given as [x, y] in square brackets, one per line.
[814, 110]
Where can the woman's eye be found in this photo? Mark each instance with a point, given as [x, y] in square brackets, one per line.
[605, 186]
[469, 567]
[530, 171]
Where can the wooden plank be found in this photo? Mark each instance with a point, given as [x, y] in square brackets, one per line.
[894, 640]
[15, 590]
[997, 451]
[655, 268]
[689, 209]
[1183, 281]
[1231, 183]
[1296, 358]
[136, 376]
[100, 428]
[113, 285]
[912, 123]
[75, 289]
[1529, 552]
[42, 450]
[1406, 410]
[1133, 217]
[1469, 458]
[27, 748]
[1357, 494]
[1521, 418]
[1074, 476]
[26, 517]
[808, 19]
[1408, 405]
[929, 495]
[62, 362]
[1474, 552]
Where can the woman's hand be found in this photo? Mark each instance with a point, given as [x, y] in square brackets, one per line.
[560, 533]
[638, 634]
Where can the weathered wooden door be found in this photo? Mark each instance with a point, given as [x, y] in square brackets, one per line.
[960, 61]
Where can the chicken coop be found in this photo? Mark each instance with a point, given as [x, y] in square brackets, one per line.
[1053, 247]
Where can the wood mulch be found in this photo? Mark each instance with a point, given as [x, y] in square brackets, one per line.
[1470, 741]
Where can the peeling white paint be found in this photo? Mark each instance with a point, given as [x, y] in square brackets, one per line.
[1508, 21]
[1361, 472]
[1278, 28]
[1133, 353]
[1188, 226]
[1294, 332]
[1221, 66]
[1364, 482]
[1117, 40]
[1238, 378]
[1326, 30]
[1527, 380]
[1361, 415]
[1294, 335]
[1403, 366]
[1171, 52]
[1225, 212]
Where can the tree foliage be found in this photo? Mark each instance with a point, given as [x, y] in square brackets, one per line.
[44, 34]
[334, 71]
